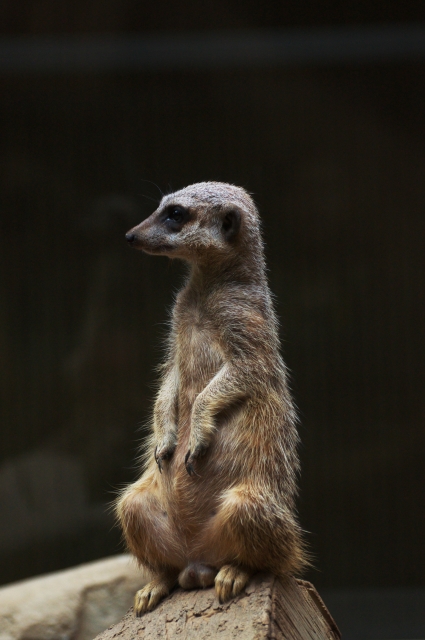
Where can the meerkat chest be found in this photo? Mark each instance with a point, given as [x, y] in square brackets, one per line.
[199, 353]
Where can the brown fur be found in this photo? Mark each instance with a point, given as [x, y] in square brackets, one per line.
[217, 494]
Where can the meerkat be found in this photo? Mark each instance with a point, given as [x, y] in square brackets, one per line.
[216, 501]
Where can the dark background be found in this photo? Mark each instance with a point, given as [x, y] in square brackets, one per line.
[334, 156]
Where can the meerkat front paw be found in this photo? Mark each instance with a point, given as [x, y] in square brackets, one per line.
[163, 452]
[230, 581]
[192, 456]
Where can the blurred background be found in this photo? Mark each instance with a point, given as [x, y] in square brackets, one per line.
[317, 109]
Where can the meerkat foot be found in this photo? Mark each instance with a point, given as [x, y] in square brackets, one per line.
[197, 575]
[147, 598]
[164, 451]
[230, 581]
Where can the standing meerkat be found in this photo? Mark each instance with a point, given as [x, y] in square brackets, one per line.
[216, 501]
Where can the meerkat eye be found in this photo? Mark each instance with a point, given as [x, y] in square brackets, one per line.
[175, 218]
[176, 214]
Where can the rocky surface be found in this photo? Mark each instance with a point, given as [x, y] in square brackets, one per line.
[74, 604]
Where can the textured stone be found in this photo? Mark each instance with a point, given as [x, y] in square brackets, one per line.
[77, 603]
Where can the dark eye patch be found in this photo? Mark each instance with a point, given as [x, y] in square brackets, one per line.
[175, 217]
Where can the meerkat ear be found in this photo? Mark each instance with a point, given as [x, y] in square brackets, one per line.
[231, 223]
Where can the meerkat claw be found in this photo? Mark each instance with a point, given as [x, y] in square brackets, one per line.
[158, 460]
[189, 467]
[230, 581]
[192, 457]
[147, 598]
[165, 453]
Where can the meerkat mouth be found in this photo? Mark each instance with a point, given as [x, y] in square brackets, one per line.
[162, 248]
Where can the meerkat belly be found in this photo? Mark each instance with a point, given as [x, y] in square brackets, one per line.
[200, 359]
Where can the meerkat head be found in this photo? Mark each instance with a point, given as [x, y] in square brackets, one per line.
[203, 221]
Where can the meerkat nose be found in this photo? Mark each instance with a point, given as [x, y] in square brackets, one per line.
[130, 237]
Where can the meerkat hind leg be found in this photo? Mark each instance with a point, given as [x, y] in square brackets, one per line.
[147, 598]
[230, 581]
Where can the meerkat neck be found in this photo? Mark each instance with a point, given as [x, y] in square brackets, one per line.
[205, 276]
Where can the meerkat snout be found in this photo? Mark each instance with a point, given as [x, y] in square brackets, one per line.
[158, 234]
